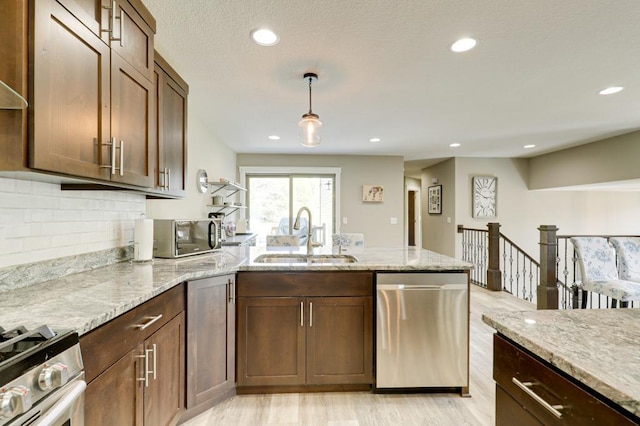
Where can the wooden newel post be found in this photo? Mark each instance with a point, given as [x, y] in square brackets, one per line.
[494, 275]
[547, 290]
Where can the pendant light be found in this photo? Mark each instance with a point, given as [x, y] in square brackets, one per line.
[310, 125]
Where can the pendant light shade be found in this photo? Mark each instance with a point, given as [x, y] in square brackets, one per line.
[310, 125]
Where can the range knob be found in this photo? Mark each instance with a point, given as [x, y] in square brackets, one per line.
[53, 376]
[15, 401]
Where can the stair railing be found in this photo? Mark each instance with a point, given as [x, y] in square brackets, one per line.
[514, 271]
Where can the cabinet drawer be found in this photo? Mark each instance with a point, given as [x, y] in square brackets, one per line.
[103, 346]
[320, 283]
[580, 407]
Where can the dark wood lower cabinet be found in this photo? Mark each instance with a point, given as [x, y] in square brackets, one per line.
[115, 396]
[164, 394]
[339, 340]
[211, 340]
[574, 403]
[135, 365]
[271, 341]
[304, 329]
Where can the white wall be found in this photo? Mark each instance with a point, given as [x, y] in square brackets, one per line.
[205, 152]
[438, 232]
[609, 160]
[371, 219]
[521, 211]
[39, 222]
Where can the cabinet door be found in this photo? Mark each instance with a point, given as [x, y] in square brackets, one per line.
[69, 95]
[115, 397]
[171, 104]
[271, 336]
[133, 37]
[132, 113]
[339, 340]
[164, 389]
[210, 338]
[90, 13]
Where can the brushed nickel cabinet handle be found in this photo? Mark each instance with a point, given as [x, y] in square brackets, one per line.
[114, 9]
[168, 171]
[155, 361]
[301, 314]
[121, 158]
[310, 314]
[112, 166]
[148, 323]
[526, 387]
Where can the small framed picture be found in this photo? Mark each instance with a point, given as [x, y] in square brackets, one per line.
[435, 199]
[374, 193]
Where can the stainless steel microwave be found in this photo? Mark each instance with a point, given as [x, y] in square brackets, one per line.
[177, 238]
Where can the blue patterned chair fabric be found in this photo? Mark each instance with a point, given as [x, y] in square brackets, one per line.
[628, 250]
[599, 272]
[347, 242]
[283, 240]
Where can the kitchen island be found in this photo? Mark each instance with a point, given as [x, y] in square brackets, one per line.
[581, 362]
[159, 337]
[86, 300]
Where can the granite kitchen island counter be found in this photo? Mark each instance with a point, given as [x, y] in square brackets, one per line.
[86, 300]
[597, 347]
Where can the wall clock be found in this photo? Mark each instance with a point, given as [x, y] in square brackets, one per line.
[201, 181]
[485, 192]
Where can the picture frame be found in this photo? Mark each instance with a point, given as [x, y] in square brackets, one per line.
[434, 199]
[484, 198]
[373, 193]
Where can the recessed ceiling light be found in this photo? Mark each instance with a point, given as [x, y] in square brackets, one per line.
[274, 137]
[529, 146]
[454, 145]
[264, 37]
[611, 90]
[375, 140]
[463, 45]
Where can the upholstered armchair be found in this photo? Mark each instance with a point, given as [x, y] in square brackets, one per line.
[628, 251]
[599, 273]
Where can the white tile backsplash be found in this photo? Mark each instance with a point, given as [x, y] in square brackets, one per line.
[38, 221]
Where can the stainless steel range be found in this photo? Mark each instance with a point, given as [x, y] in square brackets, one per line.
[41, 378]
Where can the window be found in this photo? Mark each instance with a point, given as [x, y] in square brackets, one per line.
[275, 196]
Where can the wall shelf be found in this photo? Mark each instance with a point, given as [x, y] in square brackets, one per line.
[225, 208]
[231, 188]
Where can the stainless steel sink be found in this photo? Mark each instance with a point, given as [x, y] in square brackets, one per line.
[304, 258]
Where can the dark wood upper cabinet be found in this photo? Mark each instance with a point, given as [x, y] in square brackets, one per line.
[132, 119]
[171, 93]
[70, 109]
[87, 70]
[124, 25]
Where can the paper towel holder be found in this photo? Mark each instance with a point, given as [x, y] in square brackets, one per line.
[136, 248]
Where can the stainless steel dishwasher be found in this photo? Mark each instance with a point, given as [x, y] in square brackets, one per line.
[422, 330]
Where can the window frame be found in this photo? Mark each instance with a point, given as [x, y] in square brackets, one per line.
[293, 171]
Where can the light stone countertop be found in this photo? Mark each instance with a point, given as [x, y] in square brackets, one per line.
[86, 300]
[598, 347]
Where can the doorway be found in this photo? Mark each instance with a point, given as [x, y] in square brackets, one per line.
[413, 221]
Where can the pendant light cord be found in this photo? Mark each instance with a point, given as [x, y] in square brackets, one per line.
[310, 112]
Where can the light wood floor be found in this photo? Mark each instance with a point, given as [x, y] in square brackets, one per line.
[364, 408]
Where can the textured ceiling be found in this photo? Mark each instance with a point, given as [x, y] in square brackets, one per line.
[385, 70]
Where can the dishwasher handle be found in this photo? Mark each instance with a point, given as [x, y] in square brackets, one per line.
[409, 287]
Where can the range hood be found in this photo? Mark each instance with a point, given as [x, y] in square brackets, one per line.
[10, 99]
